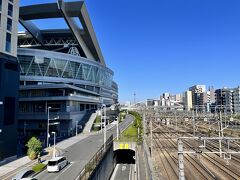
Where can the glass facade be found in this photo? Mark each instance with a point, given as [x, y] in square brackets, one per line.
[10, 9]
[9, 24]
[64, 68]
[8, 43]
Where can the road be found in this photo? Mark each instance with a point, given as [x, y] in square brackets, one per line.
[80, 153]
[123, 172]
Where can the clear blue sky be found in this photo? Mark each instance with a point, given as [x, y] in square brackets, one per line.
[155, 46]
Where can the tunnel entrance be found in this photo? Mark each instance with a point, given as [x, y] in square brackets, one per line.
[125, 156]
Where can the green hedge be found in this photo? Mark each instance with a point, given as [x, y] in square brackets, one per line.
[131, 133]
[38, 167]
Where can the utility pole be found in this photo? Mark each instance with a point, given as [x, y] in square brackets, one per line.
[176, 120]
[151, 128]
[220, 133]
[193, 121]
[180, 160]
[48, 109]
[134, 98]
[105, 128]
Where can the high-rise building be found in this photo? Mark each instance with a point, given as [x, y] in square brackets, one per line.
[188, 100]
[177, 97]
[236, 100]
[9, 77]
[212, 94]
[197, 96]
[224, 99]
[149, 102]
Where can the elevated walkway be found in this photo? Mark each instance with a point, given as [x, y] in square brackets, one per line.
[89, 123]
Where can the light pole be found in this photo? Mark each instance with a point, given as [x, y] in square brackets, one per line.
[105, 129]
[54, 146]
[101, 119]
[151, 137]
[117, 129]
[76, 127]
[24, 128]
[48, 124]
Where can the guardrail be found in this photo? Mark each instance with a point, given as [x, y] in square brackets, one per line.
[94, 161]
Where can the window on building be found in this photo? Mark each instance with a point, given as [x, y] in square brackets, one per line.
[82, 107]
[10, 9]
[9, 24]
[23, 107]
[9, 110]
[8, 43]
[87, 106]
[38, 107]
[11, 1]
[0, 17]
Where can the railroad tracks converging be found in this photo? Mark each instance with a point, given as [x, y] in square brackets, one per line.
[199, 166]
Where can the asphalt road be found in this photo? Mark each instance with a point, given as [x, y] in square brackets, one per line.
[124, 172]
[80, 153]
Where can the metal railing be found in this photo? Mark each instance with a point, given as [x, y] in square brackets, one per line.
[89, 168]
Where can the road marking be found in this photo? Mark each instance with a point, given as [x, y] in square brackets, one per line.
[114, 172]
[130, 172]
[66, 168]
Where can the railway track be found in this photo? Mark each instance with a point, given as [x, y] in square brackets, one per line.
[194, 167]
[167, 150]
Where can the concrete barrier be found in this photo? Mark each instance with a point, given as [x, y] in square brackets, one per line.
[105, 168]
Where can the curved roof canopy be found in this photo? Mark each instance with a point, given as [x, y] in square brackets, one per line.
[84, 36]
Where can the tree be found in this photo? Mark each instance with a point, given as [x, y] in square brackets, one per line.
[34, 147]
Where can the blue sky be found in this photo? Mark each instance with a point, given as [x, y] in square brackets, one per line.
[156, 46]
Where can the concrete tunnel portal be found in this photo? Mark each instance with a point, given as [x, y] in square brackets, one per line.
[125, 156]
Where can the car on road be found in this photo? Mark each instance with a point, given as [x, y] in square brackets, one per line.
[56, 164]
[23, 174]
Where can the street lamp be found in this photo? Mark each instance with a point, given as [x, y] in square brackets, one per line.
[117, 129]
[76, 127]
[105, 129]
[24, 128]
[54, 146]
[48, 124]
[101, 111]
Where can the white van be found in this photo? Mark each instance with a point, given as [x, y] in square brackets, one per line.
[56, 164]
